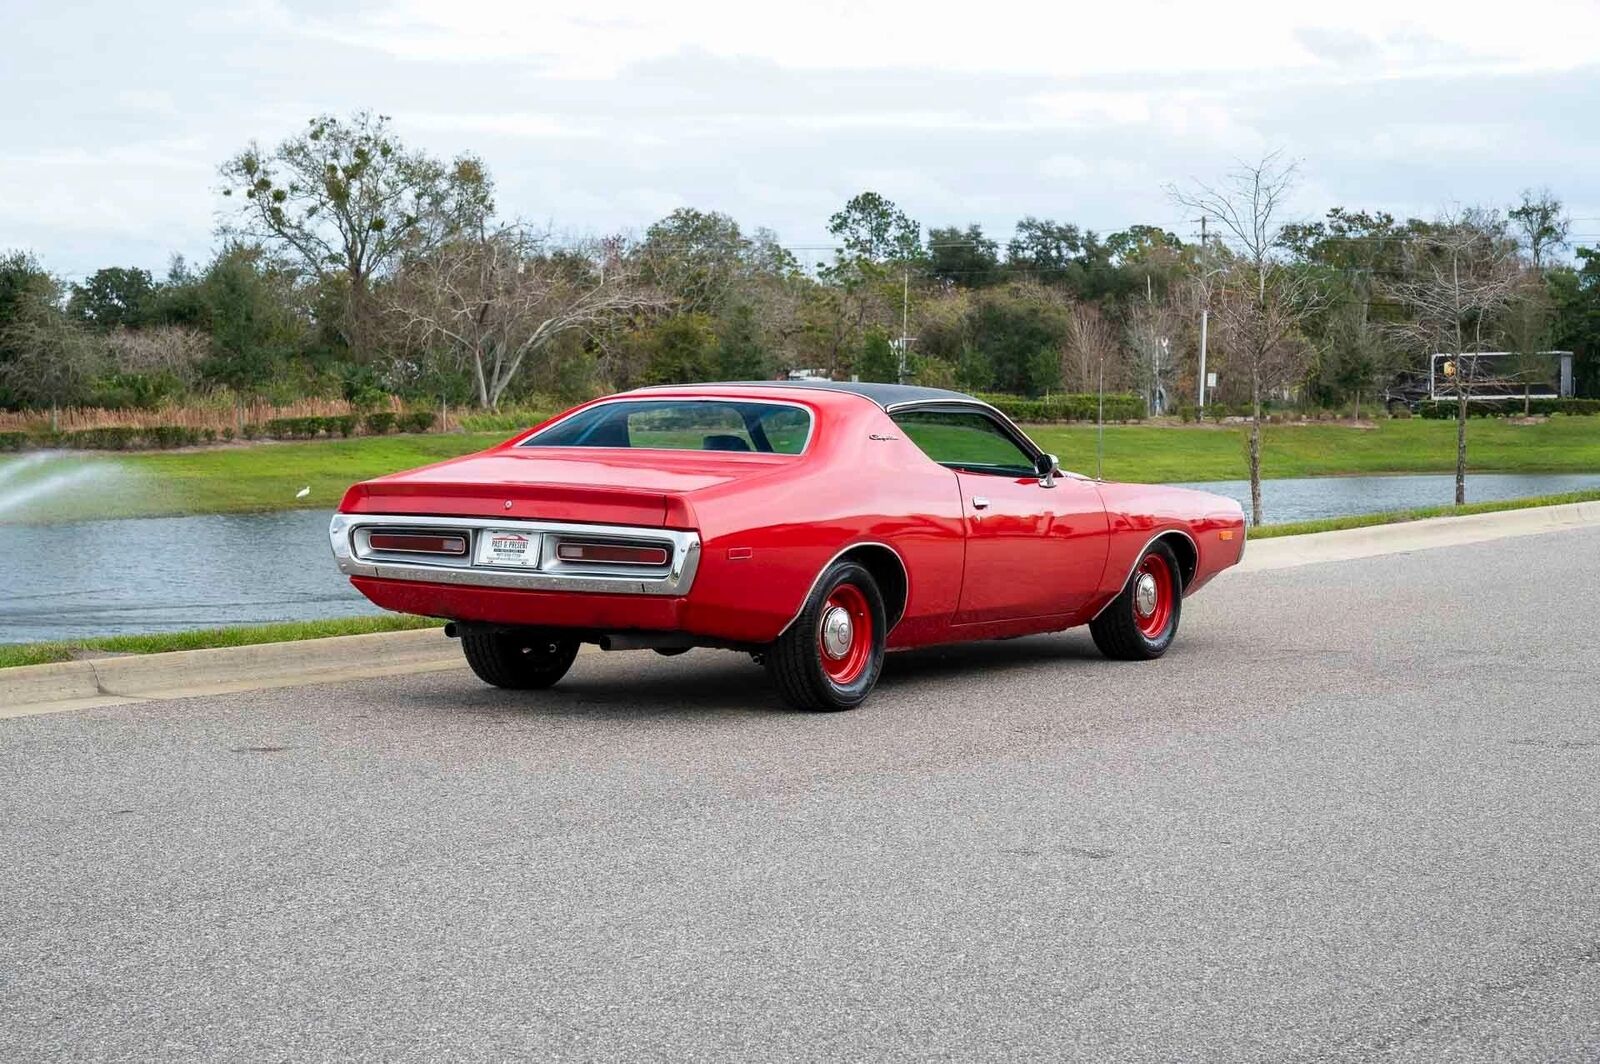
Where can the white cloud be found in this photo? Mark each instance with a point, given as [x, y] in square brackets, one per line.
[604, 116]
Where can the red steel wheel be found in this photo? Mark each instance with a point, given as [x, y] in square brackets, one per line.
[1140, 623]
[829, 657]
[844, 634]
[1153, 594]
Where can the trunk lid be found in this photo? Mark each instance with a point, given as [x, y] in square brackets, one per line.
[594, 485]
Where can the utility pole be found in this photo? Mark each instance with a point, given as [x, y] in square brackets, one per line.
[1205, 313]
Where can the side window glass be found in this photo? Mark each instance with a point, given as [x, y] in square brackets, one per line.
[968, 441]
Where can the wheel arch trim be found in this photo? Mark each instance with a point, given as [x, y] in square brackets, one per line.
[1139, 556]
[905, 577]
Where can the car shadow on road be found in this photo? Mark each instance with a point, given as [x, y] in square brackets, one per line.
[705, 683]
[989, 657]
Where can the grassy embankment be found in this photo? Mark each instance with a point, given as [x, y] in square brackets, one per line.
[12, 654]
[269, 476]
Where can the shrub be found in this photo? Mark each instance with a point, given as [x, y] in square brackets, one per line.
[416, 421]
[506, 420]
[1445, 409]
[343, 424]
[12, 441]
[380, 422]
[1068, 407]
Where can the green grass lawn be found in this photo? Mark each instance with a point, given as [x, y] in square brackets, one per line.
[14, 654]
[1155, 454]
[268, 476]
[238, 479]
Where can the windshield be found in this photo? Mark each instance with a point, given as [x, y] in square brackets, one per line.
[683, 425]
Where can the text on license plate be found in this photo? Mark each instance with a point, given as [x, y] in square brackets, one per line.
[503, 547]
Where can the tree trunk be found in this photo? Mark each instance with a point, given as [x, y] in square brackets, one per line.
[1255, 451]
[55, 418]
[1525, 403]
[1461, 446]
[1357, 416]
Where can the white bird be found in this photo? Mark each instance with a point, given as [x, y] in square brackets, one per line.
[303, 492]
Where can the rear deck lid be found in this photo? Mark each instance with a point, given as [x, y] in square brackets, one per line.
[598, 485]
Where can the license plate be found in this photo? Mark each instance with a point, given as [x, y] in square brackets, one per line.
[515, 550]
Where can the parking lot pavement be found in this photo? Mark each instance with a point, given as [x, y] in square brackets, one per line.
[1353, 815]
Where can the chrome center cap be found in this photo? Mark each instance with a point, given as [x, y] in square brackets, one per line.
[1144, 595]
[837, 632]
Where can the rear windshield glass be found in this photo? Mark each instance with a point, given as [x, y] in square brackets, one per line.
[683, 425]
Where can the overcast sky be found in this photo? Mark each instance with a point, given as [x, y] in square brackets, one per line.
[602, 116]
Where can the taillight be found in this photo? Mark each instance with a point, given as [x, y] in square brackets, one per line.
[611, 553]
[418, 543]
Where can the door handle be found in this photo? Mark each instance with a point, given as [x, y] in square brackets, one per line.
[980, 502]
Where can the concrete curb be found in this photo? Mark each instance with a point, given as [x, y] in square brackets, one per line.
[72, 685]
[113, 681]
[1428, 534]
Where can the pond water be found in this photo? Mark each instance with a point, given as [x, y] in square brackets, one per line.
[87, 578]
[1313, 498]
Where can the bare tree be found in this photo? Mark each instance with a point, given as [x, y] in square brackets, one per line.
[53, 359]
[1261, 299]
[495, 300]
[1091, 345]
[346, 199]
[1460, 277]
[1152, 325]
[174, 349]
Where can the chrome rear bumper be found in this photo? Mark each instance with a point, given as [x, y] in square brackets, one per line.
[350, 535]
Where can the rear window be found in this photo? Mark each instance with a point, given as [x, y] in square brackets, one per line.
[683, 425]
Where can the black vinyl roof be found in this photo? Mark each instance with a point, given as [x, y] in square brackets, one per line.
[885, 395]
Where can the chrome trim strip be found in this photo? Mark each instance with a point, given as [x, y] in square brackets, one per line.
[904, 572]
[551, 574]
[627, 397]
[1137, 558]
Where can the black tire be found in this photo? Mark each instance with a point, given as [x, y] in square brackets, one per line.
[795, 660]
[1117, 631]
[525, 659]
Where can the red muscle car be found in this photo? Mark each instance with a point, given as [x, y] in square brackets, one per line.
[815, 525]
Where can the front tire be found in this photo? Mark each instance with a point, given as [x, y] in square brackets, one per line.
[525, 659]
[1140, 623]
[830, 657]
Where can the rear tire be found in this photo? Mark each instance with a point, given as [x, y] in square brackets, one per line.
[525, 659]
[1142, 620]
[830, 657]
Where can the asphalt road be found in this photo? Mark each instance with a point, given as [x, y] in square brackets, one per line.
[1354, 815]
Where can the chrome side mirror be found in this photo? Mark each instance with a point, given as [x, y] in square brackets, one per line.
[1048, 466]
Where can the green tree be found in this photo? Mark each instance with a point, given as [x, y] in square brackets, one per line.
[112, 297]
[681, 350]
[348, 199]
[741, 356]
[1063, 256]
[974, 369]
[250, 312]
[965, 258]
[1541, 225]
[878, 360]
[50, 359]
[872, 229]
[695, 258]
[23, 285]
[1012, 326]
[1575, 295]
